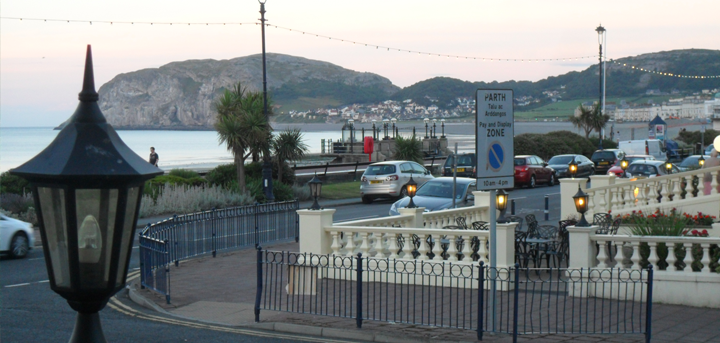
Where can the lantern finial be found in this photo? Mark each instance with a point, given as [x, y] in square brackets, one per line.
[88, 93]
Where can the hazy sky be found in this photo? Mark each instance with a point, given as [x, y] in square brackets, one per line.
[41, 62]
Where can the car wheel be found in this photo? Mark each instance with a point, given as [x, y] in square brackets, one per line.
[403, 193]
[532, 181]
[367, 200]
[19, 246]
[551, 182]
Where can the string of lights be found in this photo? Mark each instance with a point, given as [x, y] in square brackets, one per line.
[125, 22]
[661, 73]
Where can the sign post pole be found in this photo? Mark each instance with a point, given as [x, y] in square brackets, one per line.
[494, 139]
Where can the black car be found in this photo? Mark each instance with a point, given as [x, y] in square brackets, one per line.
[466, 164]
[605, 159]
[560, 164]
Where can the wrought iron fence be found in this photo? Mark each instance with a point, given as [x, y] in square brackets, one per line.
[208, 232]
[526, 301]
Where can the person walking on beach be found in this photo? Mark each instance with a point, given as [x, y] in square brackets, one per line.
[154, 158]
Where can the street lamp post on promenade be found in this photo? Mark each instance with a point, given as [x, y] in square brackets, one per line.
[87, 186]
[601, 36]
[267, 167]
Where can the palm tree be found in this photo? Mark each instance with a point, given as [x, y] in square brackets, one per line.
[288, 146]
[242, 126]
[409, 149]
[584, 120]
[598, 120]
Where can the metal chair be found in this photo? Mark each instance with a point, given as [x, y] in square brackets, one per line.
[532, 225]
[480, 225]
[603, 220]
[461, 222]
[558, 251]
[516, 219]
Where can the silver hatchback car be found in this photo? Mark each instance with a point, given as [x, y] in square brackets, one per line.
[388, 179]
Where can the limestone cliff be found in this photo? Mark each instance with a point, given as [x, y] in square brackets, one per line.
[180, 95]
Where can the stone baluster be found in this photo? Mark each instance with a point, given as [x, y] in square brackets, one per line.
[714, 183]
[423, 249]
[617, 198]
[482, 250]
[407, 246]
[641, 196]
[619, 256]
[392, 245]
[688, 187]
[437, 248]
[635, 258]
[365, 245]
[652, 192]
[602, 256]
[350, 245]
[335, 246]
[602, 203]
[452, 250]
[467, 249]
[653, 258]
[705, 260]
[379, 248]
[671, 259]
[591, 201]
[701, 185]
[688, 260]
[664, 191]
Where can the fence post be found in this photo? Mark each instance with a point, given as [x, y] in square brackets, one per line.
[512, 207]
[355, 172]
[515, 302]
[358, 319]
[326, 168]
[481, 300]
[257, 238]
[214, 237]
[258, 293]
[166, 263]
[648, 315]
[142, 257]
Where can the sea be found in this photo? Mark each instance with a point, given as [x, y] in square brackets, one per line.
[195, 150]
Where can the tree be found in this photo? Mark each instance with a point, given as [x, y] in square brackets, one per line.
[288, 146]
[409, 149]
[598, 120]
[583, 120]
[242, 126]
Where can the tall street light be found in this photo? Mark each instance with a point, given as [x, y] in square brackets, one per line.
[267, 167]
[87, 186]
[601, 36]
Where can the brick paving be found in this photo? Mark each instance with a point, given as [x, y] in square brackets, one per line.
[222, 290]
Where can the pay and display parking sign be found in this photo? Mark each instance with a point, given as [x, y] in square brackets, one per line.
[494, 134]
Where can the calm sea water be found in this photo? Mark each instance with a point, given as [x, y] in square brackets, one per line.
[177, 149]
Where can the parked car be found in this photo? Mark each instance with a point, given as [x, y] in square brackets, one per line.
[531, 170]
[466, 165]
[388, 179]
[617, 170]
[16, 237]
[604, 159]
[560, 164]
[691, 162]
[649, 168]
[436, 194]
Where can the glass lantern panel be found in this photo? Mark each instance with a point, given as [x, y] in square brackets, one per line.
[52, 205]
[127, 235]
[95, 210]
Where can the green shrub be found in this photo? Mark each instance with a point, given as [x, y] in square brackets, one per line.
[179, 199]
[155, 185]
[607, 143]
[222, 175]
[254, 171]
[301, 192]
[692, 137]
[552, 143]
[226, 174]
[16, 203]
[13, 184]
[281, 191]
[184, 173]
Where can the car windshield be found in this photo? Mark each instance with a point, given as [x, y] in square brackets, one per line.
[380, 170]
[630, 160]
[691, 161]
[608, 155]
[560, 160]
[519, 161]
[441, 190]
[463, 160]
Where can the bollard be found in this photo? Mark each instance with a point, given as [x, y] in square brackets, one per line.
[547, 207]
[512, 207]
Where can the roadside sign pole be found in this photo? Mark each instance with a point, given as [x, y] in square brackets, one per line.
[493, 262]
[454, 167]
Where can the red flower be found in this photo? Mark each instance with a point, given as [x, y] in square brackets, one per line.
[695, 232]
[704, 232]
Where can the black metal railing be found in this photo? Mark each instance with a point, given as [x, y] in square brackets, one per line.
[189, 235]
[525, 301]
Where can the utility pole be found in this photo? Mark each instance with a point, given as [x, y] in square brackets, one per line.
[267, 166]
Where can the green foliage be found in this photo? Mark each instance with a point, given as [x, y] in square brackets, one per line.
[692, 137]
[13, 184]
[288, 145]
[552, 143]
[154, 186]
[337, 90]
[281, 191]
[254, 171]
[607, 143]
[301, 192]
[184, 173]
[16, 203]
[656, 224]
[409, 149]
[222, 175]
[180, 199]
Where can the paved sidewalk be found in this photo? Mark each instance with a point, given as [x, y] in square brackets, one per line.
[221, 290]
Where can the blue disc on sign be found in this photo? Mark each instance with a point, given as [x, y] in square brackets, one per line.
[496, 156]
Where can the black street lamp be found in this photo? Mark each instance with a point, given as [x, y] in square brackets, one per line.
[315, 190]
[426, 120]
[373, 129]
[87, 186]
[411, 188]
[501, 204]
[668, 167]
[624, 163]
[442, 126]
[434, 133]
[267, 166]
[573, 168]
[394, 131]
[386, 124]
[701, 161]
[351, 124]
[601, 36]
[581, 205]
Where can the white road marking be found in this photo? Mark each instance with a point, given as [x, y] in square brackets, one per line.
[44, 281]
[17, 285]
[518, 198]
[37, 258]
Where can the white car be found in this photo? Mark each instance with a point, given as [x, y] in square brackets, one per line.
[16, 236]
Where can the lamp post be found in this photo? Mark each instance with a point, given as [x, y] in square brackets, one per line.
[373, 129]
[581, 199]
[701, 161]
[442, 128]
[434, 133]
[601, 36]
[87, 187]
[351, 124]
[624, 163]
[267, 167]
[393, 120]
[386, 124]
[411, 188]
[668, 167]
[573, 168]
[315, 190]
[501, 204]
[426, 120]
